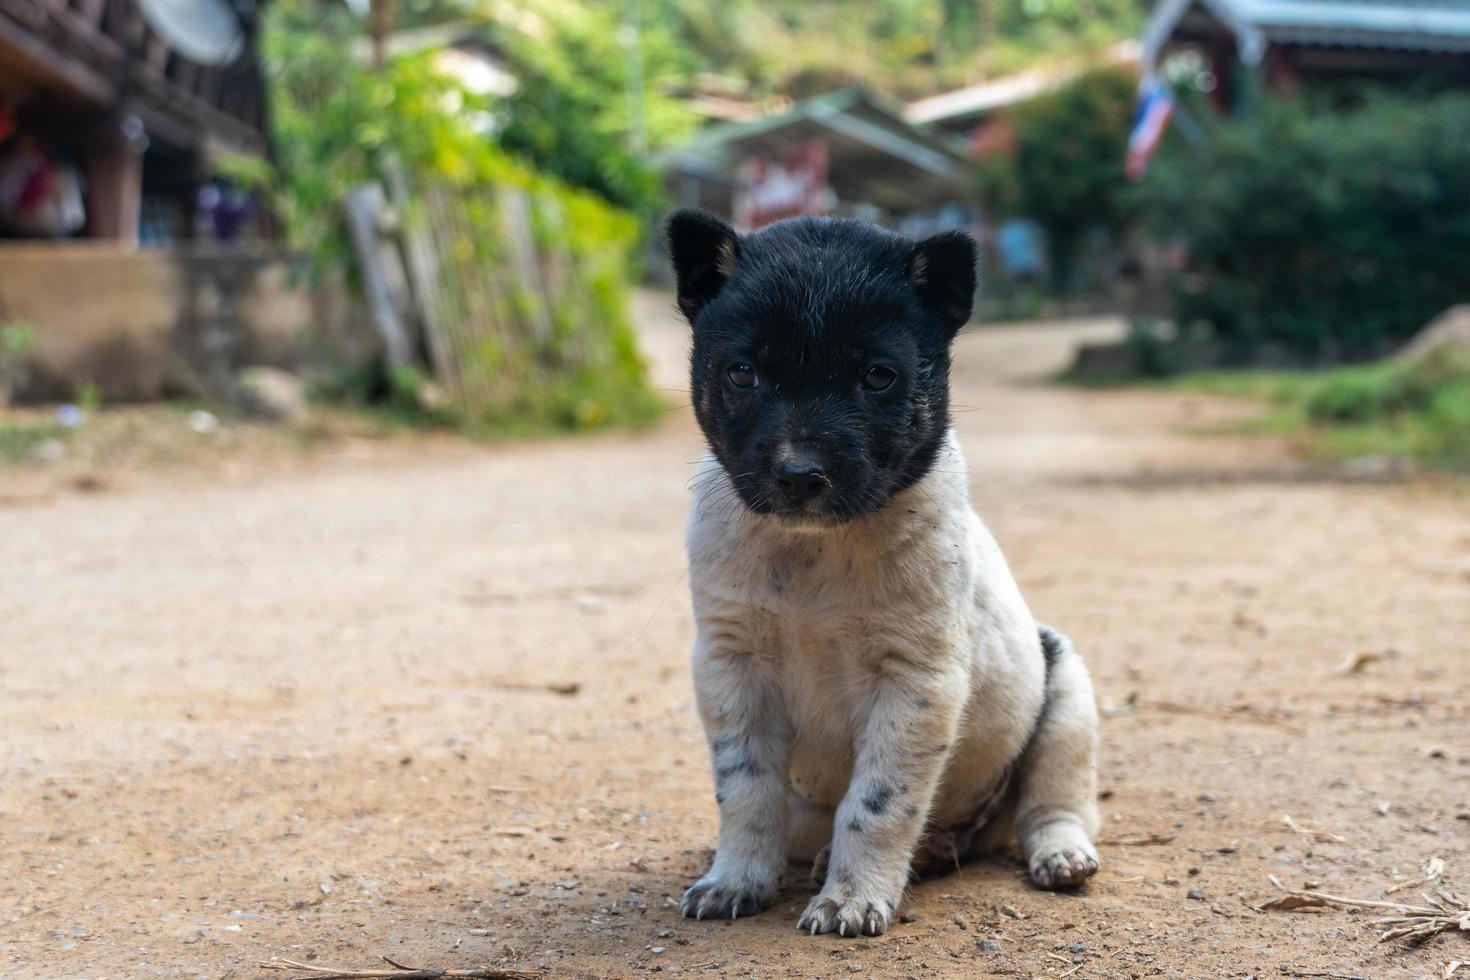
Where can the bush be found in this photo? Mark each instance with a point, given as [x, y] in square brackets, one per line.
[570, 114]
[334, 122]
[15, 343]
[1416, 409]
[1334, 234]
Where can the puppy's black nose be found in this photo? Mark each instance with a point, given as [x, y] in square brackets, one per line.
[801, 480]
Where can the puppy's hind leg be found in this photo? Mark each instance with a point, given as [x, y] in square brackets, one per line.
[1057, 811]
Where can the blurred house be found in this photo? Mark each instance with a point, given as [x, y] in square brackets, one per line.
[1312, 42]
[979, 117]
[978, 113]
[114, 112]
[848, 153]
[116, 119]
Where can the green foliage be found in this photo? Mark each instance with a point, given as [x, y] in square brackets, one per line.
[1333, 234]
[16, 338]
[906, 47]
[333, 121]
[1417, 409]
[573, 113]
[1066, 171]
[336, 121]
[21, 440]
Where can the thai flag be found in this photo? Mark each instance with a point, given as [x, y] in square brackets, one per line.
[1155, 108]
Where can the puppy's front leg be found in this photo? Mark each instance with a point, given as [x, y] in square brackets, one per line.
[745, 720]
[903, 742]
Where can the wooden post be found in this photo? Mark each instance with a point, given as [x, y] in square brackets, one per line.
[382, 15]
[114, 171]
[382, 273]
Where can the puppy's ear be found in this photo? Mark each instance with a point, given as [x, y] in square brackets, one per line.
[705, 252]
[942, 272]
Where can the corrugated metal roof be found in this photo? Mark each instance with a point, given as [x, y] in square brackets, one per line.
[977, 100]
[874, 155]
[1419, 25]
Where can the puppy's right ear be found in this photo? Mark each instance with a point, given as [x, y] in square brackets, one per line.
[705, 252]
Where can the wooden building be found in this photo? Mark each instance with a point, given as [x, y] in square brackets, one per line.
[113, 113]
[847, 153]
[1313, 43]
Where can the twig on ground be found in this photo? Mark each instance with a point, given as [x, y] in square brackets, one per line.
[1330, 976]
[1316, 834]
[565, 688]
[1442, 912]
[1228, 712]
[1356, 662]
[1431, 871]
[1138, 840]
[396, 971]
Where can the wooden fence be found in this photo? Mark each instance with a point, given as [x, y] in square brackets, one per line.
[478, 287]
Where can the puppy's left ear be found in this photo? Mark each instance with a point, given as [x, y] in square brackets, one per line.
[942, 272]
[705, 252]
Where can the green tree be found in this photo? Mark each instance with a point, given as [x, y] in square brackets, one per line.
[335, 120]
[1333, 232]
[591, 97]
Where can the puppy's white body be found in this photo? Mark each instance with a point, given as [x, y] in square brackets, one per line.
[861, 682]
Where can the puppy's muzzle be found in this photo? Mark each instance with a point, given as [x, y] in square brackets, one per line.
[799, 482]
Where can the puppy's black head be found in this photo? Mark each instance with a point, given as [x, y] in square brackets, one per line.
[820, 372]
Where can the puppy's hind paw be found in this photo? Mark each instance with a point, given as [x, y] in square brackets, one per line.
[819, 866]
[1064, 861]
[712, 898]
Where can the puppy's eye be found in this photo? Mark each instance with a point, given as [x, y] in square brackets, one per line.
[742, 376]
[879, 378]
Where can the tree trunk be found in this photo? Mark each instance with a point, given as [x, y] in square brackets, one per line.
[381, 20]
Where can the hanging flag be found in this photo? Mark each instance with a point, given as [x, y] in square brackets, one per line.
[1155, 108]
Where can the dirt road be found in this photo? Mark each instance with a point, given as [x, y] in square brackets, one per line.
[435, 705]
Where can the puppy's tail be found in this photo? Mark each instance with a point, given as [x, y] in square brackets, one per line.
[1054, 646]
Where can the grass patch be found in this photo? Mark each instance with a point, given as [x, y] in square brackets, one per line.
[406, 401]
[1416, 410]
[18, 440]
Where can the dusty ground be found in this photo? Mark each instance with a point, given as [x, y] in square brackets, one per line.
[433, 703]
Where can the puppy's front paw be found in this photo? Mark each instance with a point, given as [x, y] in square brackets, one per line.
[716, 897]
[847, 911]
[1062, 858]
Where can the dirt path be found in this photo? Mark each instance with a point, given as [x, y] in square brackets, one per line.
[437, 707]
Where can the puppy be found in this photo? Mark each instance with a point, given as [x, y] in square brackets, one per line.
[876, 695]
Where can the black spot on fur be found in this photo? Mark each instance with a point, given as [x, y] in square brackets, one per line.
[923, 703]
[877, 799]
[855, 825]
[746, 765]
[733, 757]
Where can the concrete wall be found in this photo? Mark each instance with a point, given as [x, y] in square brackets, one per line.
[145, 323]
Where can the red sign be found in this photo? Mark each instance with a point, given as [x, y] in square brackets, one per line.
[796, 184]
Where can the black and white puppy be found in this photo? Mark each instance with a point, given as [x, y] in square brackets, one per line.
[876, 694]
